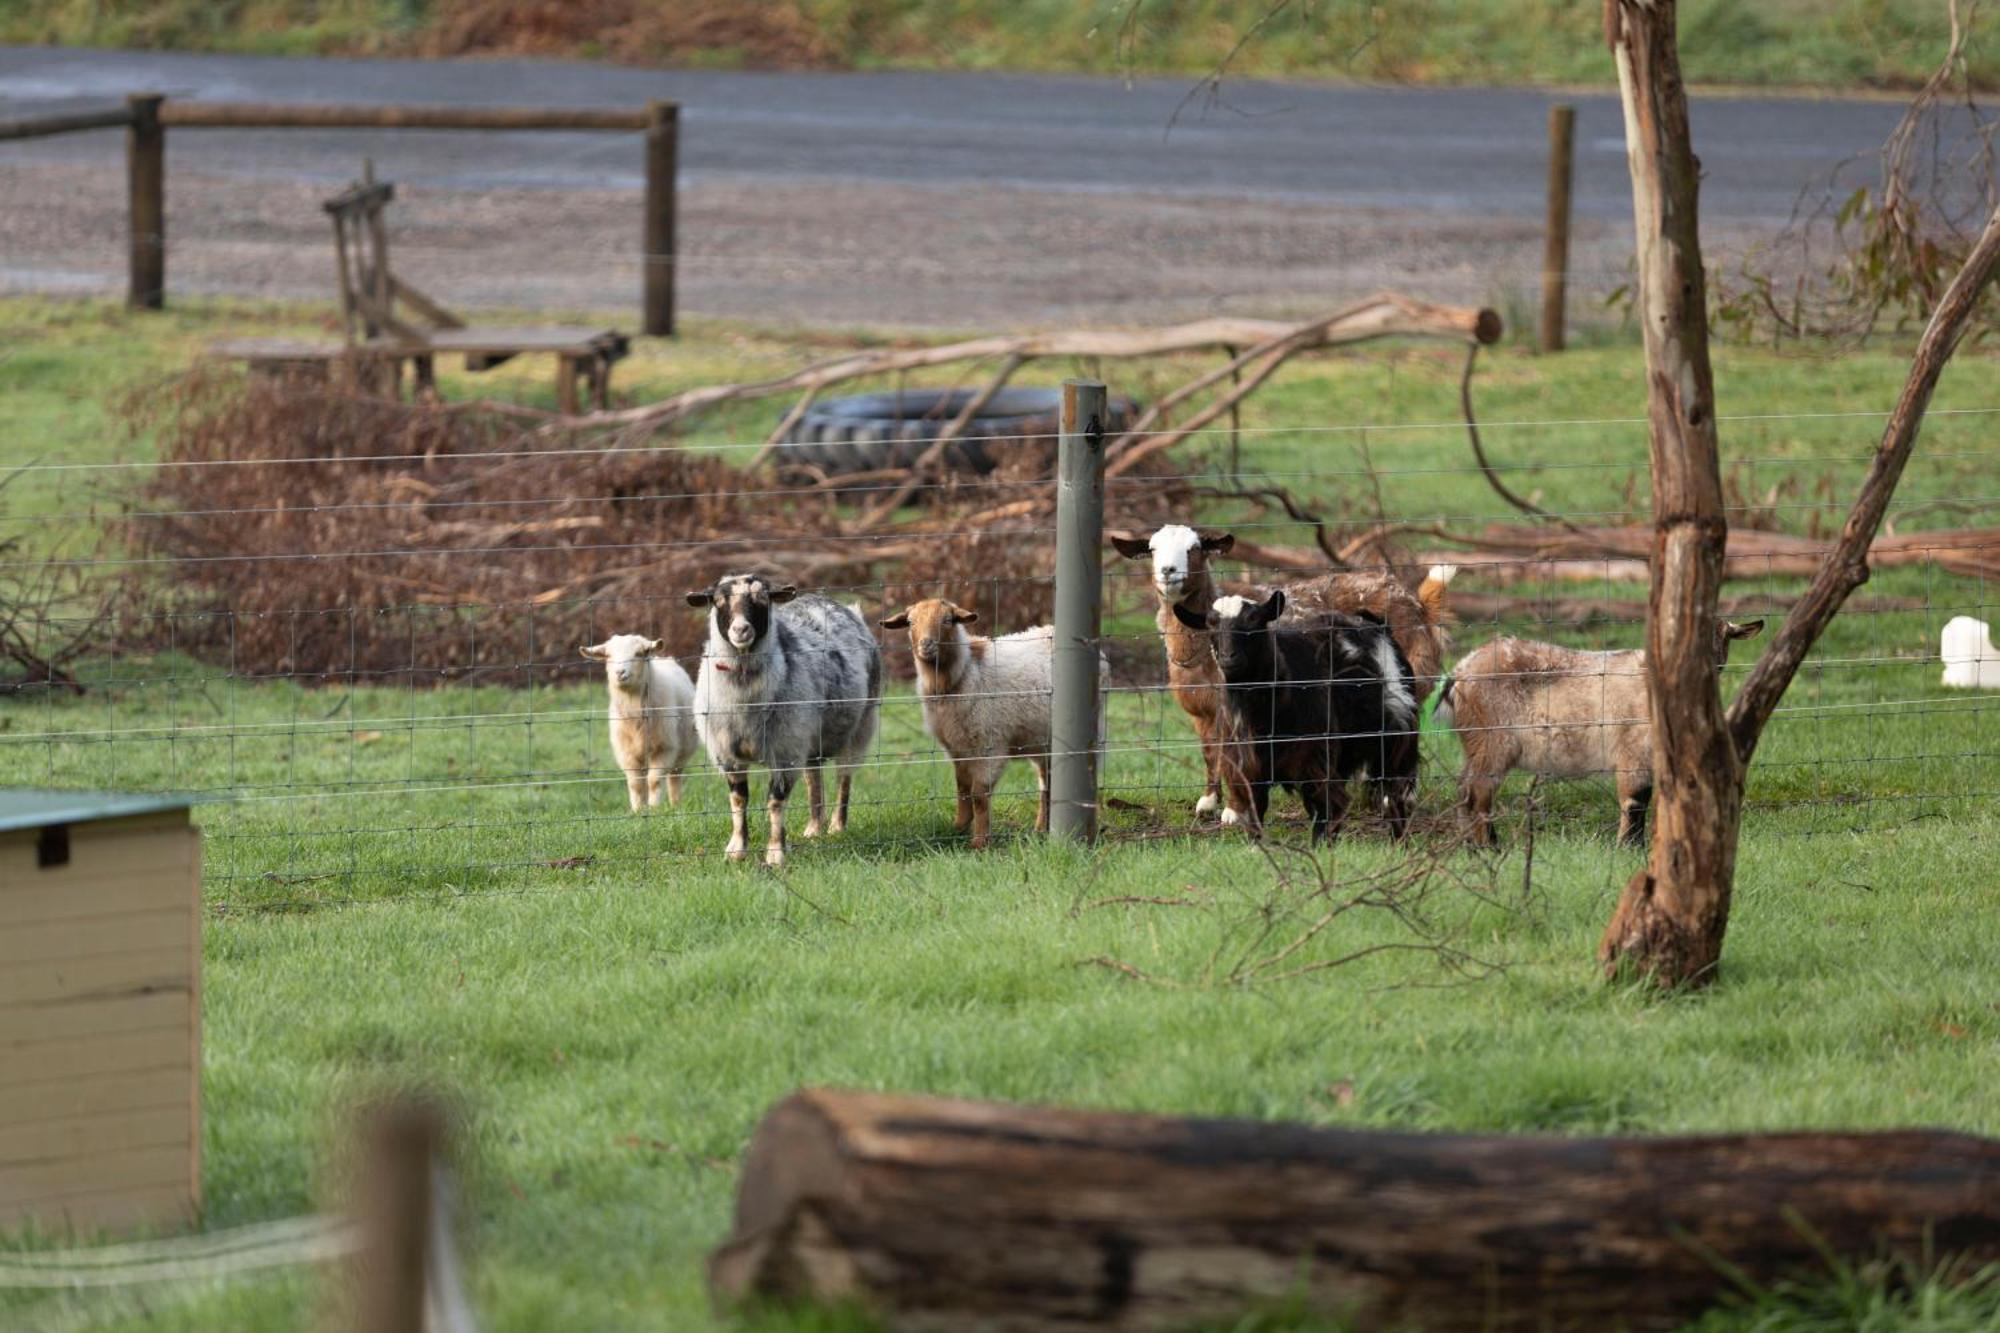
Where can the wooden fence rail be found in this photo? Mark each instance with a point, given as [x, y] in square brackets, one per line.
[68, 122]
[147, 117]
[333, 116]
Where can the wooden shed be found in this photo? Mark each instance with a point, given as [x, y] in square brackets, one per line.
[100, 1010]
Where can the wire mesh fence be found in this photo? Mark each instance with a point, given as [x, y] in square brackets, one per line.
[366, 655]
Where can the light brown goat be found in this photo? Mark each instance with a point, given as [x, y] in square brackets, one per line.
[1180, 556]
[1558, 713]
[986, 701]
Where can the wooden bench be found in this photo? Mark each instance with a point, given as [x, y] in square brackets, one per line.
[389, 323]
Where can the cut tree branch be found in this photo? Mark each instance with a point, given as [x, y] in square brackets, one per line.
[1500, 488]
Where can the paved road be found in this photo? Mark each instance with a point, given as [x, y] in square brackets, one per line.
[1466, 152]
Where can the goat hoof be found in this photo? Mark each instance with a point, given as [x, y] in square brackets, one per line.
[1207, 805]
[774, 857]
[978, 844]
[1230, 818]
[812, 829]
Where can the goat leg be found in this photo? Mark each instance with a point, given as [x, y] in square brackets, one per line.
[982, 816]
[961, 773]
[845, 774]
[815, 802]
[739, 814]
[1632, 803]
[1479, 790]
[774, 807]
[1211, 791]
[1330, 808]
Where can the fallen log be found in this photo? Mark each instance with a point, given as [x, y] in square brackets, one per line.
[1751, 553]
[1517, 551]
[1383, 315]
[1578, 612]
[940, 1214]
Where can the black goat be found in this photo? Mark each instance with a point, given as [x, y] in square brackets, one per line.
[1318, 700]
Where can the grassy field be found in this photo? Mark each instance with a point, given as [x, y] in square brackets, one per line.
[441, 885]
[1837, 45]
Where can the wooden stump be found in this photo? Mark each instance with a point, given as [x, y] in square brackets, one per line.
[938, 1214]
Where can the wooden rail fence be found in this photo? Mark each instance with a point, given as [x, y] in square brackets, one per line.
[146, 118]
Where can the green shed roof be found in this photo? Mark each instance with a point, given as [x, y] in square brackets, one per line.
[30, 807]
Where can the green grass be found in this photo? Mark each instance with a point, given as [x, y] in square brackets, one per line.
[442, 886]
[1838, 45]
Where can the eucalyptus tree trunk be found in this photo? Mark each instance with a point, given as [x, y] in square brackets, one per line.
[1671, 918]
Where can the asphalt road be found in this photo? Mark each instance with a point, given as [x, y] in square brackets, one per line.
[1464, 152]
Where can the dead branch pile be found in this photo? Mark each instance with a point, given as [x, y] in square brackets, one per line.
[298, 532]
[51, 611]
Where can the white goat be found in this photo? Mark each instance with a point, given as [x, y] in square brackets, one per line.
[1971, 662]
[652, 715]
[986, 701]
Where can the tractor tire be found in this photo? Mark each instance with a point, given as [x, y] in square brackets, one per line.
[871, 431]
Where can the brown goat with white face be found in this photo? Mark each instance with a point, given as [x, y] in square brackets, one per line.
[986, 701]
[1558, 713]
[1180, 559]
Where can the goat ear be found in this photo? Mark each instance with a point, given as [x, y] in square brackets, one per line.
[1217, 542]
[1189, 618]
[1274, 605]
[596, 652]
[654, 646]
[1748, 629]
[702, 598]
[1132, 548]
[963, 617]
[784, 594]
[901, 620]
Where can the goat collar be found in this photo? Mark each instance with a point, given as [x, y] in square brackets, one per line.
[742, 665]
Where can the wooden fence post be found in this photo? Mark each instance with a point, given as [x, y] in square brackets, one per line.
[394, 1202]
[146, 179]
[663, 134]
[1555, 256]
[1073, 739]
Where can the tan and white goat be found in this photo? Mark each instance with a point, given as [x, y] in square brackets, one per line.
[652, 716]
[986, 701]
[1181, 577]
[1557, 713]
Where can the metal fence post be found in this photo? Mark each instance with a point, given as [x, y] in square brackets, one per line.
[146, 184]
[1555, 257]
[663, 146]
[1079, 612]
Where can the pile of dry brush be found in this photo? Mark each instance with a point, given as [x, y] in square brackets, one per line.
[297, 532]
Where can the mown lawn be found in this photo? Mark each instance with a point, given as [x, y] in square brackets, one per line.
[1838, 45]
[441, 884]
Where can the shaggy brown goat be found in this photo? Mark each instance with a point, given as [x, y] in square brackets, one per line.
[1558, 713]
